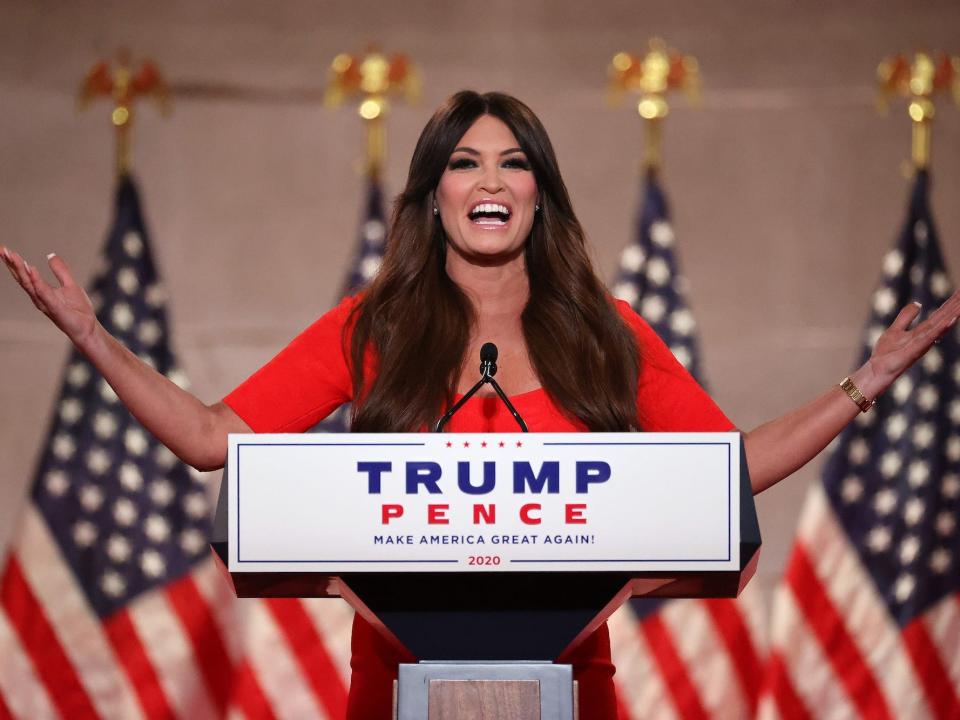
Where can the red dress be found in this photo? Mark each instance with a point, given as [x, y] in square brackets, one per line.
[309, 379]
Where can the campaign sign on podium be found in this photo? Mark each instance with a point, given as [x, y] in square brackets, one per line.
[488, 557]
[477, 546]
[484, 502]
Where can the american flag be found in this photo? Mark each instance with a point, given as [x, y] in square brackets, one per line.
[110, 606]
[679, 658]
[366, 262]
[651, 281]
[866, 623]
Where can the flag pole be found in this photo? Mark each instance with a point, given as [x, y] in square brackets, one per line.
[649, 278]
[371, 78]
[919, 79]
[652, 76]
[124, 87]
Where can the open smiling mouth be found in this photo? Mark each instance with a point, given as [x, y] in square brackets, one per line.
[490, 215]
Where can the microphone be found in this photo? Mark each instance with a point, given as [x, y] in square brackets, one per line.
[488, 368]
[488, 360]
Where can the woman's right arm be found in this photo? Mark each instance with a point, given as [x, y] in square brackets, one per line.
[195, 432]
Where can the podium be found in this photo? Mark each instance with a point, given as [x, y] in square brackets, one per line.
[486, 559]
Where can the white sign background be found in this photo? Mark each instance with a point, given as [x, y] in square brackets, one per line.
[298, 503]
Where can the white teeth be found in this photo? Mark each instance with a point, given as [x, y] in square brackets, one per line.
[490, 208]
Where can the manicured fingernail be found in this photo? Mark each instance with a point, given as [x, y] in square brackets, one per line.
[917, 304]
[50, 255]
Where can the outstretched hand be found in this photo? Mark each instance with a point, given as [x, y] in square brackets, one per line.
[67, 305]
[900, 345]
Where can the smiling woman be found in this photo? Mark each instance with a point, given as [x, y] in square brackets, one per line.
[485, 247]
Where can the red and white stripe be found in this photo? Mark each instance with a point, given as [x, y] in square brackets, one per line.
[187, 650]
[299, 650]
[162, 656]
[819, 688]
[778, 699]
[943, 623]
[167, 646]
[334, 620]
[638, 683]
[24, 694]
[692, 659]
[838, 647]
[309, 649]
[66, 642]
[275, 666]
[710, 664]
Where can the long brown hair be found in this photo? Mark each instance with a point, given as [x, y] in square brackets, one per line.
[414, 321]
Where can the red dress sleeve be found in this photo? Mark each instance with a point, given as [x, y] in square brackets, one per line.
[305, 382]
[668, 398]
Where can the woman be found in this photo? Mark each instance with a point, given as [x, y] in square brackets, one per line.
[484, 246]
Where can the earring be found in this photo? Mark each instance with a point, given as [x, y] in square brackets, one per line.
[436, 210]
[536, 208]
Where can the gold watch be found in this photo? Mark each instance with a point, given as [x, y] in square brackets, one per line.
[853, 392]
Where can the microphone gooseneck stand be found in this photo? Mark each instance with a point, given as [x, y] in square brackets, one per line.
[488, 368]
[501, 683]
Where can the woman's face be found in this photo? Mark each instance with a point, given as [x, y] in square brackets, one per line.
[487, 195]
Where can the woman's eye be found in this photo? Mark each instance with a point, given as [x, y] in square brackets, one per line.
[517, 162]
[460, 163]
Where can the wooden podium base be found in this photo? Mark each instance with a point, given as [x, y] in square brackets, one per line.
[485, 691]
[483, 699]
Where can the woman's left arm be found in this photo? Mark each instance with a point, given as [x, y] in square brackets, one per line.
[782, 446]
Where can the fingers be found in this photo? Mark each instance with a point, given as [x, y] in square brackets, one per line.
[42, 293]
[12, 261]
[9, 262]
[18, 268]
[16, 265]
[945, 315]
[952, 305]
[28, 278]
[60, 270]
[35, 288]
[906, 316]
[949, 313]
[939, 321]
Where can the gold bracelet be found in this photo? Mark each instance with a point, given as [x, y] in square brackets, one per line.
[853, 392]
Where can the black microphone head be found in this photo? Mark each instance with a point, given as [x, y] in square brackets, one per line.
[488, 360]
[488, 353]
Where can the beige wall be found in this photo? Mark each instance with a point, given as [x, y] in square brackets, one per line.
[786, 185]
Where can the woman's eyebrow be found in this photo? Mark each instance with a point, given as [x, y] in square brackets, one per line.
[471, 151]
